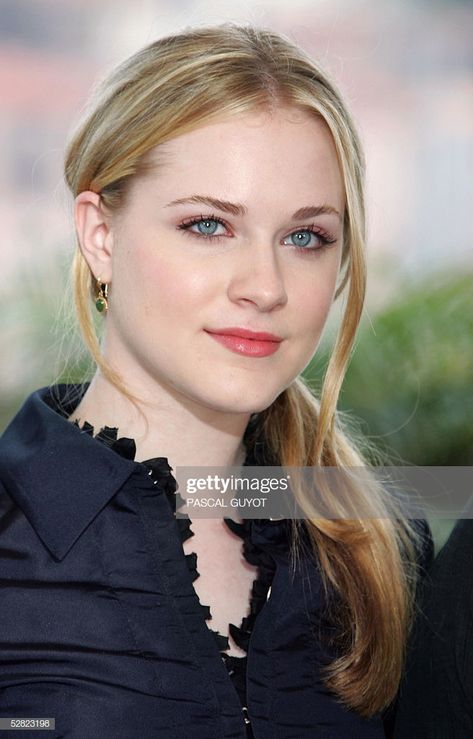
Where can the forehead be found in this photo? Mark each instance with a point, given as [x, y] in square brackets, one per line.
[287, 153]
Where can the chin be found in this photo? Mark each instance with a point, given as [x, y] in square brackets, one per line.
[243, 400]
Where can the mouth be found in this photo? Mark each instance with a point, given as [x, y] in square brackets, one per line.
[245, 345]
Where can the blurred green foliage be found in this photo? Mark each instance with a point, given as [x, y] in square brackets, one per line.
[410, 378]
[409, 384]
[40, 343]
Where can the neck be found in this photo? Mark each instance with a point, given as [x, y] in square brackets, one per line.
[178, 430]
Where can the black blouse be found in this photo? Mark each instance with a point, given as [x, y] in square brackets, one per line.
[159, 471]
[100, 625]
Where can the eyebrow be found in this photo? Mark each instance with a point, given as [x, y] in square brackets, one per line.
[236, 209]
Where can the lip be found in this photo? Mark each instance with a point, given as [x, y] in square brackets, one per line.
[244, 333]
[249, 347]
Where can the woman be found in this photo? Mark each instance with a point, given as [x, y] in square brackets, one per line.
[218, 185]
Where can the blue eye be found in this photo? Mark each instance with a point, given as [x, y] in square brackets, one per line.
[301, 238]
[208, 227]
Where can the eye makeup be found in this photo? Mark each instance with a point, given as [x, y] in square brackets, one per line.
[325, 240]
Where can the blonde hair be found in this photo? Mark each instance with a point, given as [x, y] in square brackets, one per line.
[173, 86]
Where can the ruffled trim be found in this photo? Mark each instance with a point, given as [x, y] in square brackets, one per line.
[258, 535]
[236, 665]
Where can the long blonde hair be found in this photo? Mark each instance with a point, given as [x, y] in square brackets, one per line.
[173, 86]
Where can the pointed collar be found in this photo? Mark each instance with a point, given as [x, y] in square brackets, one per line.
[59, 476]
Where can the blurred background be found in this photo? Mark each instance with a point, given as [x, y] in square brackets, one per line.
[405, 69]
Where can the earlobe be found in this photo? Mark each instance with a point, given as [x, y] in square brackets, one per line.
[94, 234]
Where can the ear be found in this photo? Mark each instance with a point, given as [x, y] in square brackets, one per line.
[94, 234]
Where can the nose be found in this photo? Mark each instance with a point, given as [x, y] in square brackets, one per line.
[258, 278]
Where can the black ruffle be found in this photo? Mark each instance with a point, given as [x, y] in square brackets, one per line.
[259, 536]
[236, 665]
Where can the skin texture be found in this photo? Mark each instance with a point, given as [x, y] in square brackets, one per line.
[166, 285]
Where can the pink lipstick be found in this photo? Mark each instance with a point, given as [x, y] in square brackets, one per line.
[246, 342]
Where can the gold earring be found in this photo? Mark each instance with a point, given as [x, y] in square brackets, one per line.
[101, 301]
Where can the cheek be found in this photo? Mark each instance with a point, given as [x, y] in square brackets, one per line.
[312, 306]
[169, 288]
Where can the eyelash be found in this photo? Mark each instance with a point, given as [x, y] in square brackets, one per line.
[325, 238]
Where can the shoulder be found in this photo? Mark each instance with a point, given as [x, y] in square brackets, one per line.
[435, 696]
[59, 476]
[443, 636]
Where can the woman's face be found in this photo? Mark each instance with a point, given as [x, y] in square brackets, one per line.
[215, 238]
